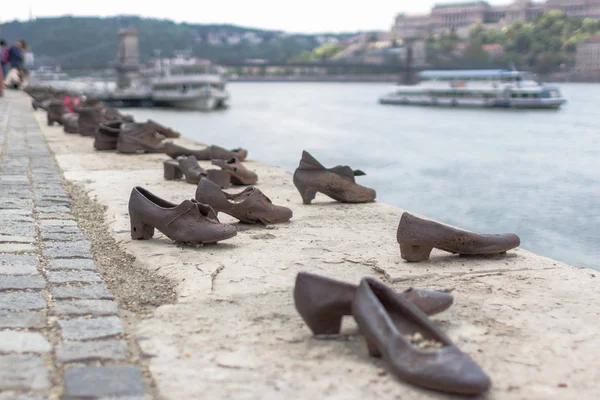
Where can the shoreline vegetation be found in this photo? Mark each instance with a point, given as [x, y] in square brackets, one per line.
[546, 46]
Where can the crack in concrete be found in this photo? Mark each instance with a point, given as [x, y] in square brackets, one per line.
[214, 275]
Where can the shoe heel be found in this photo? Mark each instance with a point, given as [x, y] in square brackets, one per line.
[129, 148]
[372, 347]
[103, 146]
[308, 195]
[323, 325]
[172, 172]
[139, 229]
[221, 178]
[49, 121]
[414, 253]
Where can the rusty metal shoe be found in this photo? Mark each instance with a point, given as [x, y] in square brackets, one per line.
[338, 182]
[189, 222]
[322, 302]
[250, 205]
[70, 122]
[55, 111]
[107, 136]
[90, 118]
[163, 130]
[209, 153]
[417, 237]
[240, 175]
[415, 350]
[139, 138]
[193, 172]
[88, 103]
[219, 153]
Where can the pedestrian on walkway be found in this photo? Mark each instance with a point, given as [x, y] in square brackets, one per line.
[15, 57]
[2, 66]
[4, 53]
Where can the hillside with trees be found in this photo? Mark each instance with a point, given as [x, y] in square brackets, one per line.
[90, 42]
[545, 45]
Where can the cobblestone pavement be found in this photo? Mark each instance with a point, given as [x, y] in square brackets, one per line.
[60, 336]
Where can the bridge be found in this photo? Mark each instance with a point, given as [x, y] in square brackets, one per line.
[316, 68]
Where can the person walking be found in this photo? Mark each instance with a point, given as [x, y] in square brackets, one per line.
[3, 65]
[15, 56]
[4, 49]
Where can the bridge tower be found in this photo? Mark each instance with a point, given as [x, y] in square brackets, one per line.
[128, 58]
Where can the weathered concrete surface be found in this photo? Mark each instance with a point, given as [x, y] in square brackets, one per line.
[532, 323]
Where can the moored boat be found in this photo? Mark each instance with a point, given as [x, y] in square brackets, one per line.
[188, 83]
[477, 88]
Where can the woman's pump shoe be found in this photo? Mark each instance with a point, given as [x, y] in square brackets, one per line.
[417, 237]
[415, 350]
[322, 302]
[338, 182]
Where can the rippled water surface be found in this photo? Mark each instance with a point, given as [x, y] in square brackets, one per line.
[535, 173]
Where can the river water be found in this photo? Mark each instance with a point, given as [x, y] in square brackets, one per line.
[534, 173]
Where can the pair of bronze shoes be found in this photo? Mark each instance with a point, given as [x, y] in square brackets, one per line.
[232, 171]
[338, 182]
[249, 206]
[190, 222]
[417, 237]
[396, 327]
[132, 137]
[193, 172]
[92, 114]
[209, 153]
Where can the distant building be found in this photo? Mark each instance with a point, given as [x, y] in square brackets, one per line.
[587, 58]
[494, 50]
[459, 17]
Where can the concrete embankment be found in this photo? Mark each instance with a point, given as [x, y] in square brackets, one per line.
[233, 333]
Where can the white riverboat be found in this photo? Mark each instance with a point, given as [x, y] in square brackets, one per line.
[477, 88]
[187, 82]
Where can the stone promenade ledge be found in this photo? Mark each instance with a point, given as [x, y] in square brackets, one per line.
[231, 330]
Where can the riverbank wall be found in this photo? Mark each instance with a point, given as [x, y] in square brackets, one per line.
[230, 329]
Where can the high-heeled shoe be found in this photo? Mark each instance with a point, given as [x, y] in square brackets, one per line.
[338, 182]
[414, 349]
[189, 222]
[417, 237]
[194, 173]
[322, 302]
[249, 206]
[240, 175]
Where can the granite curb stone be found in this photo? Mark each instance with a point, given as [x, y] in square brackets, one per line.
[89, 292]
[12, 282]
[89, 351]
[90, 328]
[71, 264]
[83, 307]
[104, 381]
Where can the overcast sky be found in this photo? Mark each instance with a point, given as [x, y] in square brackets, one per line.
[308, 16]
